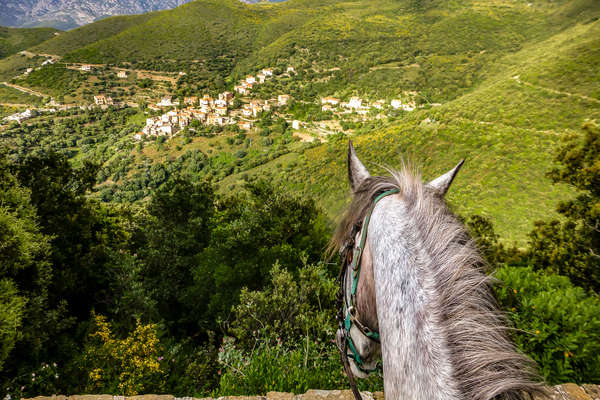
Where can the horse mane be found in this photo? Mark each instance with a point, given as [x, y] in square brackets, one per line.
[486, 363]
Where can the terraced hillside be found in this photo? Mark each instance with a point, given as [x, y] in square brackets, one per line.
[499, 82]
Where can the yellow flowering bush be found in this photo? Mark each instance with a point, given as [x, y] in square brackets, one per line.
[126, 366]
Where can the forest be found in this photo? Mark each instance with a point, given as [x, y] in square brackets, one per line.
[196, 292]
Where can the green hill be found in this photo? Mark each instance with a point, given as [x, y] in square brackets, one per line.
[13, 40]
[507, 128]
[512, 78]
[77, 38]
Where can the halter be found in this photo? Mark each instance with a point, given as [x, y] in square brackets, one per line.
[346, 321]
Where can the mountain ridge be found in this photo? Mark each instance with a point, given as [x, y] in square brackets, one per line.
[68, 14]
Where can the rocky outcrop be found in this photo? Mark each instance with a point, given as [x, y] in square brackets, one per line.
[567, 391]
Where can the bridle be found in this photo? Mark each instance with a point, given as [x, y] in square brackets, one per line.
[350, 254]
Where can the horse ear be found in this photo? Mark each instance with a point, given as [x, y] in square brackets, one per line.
[357, 172]
[442, 183]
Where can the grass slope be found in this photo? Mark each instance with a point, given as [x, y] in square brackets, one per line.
[193, 31]
[507, 130]
[13, 40]
[80, 37]
[9, 95]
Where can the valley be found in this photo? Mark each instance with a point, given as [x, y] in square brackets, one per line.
[201, 111]
[169, 183]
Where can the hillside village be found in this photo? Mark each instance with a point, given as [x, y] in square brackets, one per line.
[239, 107]
[221, 111]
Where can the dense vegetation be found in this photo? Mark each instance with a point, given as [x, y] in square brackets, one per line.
[196, 292]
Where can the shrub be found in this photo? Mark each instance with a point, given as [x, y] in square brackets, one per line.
[128, 366]
[272, 366]
[557, 324]
[290, 308]
[572, 247]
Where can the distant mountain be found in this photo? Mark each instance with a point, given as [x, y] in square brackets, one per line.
[69, 14]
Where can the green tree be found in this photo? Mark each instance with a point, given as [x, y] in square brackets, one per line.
[170, 237]
[82, 235]
[292, 307]
[11, 317]
[572, 247]
[252, 231]
[25, 318]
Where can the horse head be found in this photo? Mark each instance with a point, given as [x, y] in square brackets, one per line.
[415, 295]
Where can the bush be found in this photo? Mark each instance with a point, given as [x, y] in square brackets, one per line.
[290, 308]
[557, 324]
[572, 247]
[127, 366]
[272, 366]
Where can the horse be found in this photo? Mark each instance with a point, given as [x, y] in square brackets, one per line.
[415, 295]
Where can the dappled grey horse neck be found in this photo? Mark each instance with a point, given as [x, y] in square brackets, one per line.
[441, 335]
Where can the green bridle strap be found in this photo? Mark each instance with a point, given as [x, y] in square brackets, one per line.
[363, 238]
[355, 265]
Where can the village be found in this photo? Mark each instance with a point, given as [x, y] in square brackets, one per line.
[239, 107]
[220, 111]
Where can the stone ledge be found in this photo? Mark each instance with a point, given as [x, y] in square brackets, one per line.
[566, 391]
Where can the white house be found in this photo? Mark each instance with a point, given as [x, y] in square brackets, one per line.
[247, 110]
[283, 99]
[330, 100]
[220, 102]
[221, 110]
[290, 69]
[165, 130]
[267, 71]
[295, 124]
[122, 74]
[355, 102]
[397, 104]
[241, 89]
[102, 100]
[85, 67]
[409, 107]
[246, 125]
[206, 100]
[250, 79]
[20, 117]
[166, 101]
